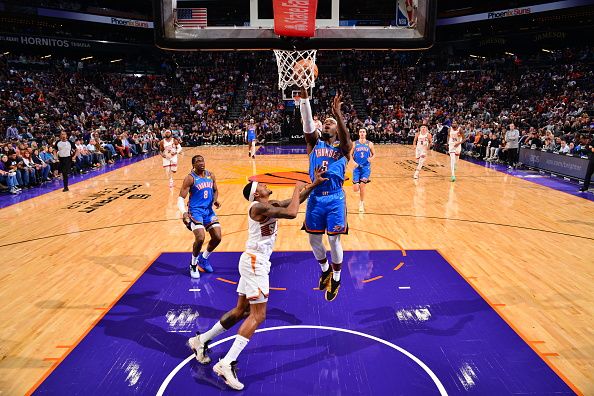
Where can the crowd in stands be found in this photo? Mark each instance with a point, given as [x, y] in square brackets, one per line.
[109, 115]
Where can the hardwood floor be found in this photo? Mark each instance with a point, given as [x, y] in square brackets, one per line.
[527, 248]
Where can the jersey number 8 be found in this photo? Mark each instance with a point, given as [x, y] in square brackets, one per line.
[205, 194]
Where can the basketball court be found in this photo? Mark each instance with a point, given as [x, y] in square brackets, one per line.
[482, 286]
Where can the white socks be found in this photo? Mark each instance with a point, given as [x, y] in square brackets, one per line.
[336, 275]
[238, 345]
[205, 254]
[213, 332]
[325, 266]
[194, 259]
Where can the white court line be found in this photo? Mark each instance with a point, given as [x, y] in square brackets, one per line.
[179, 331]
[193, 289]
[415, 359]
[404, 287]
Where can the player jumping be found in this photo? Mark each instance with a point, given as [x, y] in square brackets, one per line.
[200, 216]
[330, 150]
[362, 153]
[254, 267]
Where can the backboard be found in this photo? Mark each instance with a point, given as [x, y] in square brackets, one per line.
[249, 25]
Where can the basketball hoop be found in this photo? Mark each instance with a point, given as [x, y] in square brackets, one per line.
[296, 68]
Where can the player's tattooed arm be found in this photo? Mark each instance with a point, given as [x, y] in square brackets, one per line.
[215, 192]
[261, 211]
[343, 133]
[318, 179]
[311, 138]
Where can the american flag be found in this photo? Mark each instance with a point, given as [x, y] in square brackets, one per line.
[191, 17]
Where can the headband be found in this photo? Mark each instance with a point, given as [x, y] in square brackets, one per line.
[332, 119]
[253, 191]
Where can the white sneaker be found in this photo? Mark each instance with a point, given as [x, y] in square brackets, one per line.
[416, 176]
[361, 207]
[228, 372]
[200, 349]
[194, 273]
[170, 183]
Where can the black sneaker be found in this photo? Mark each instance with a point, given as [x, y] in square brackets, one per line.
[65, 189]
[332, 291]
[325, 279]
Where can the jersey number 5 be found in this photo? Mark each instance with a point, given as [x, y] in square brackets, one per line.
[324, 166]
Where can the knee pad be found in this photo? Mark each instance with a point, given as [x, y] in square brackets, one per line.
[317, 245]
[335, 249]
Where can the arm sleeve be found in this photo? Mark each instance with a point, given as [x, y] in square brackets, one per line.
[181, 205]
[306, 117]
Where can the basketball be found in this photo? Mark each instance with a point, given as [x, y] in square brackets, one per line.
[303, 65]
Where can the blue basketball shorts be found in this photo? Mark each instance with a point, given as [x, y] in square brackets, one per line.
[326, 214]
[361, 174]
[202, 218]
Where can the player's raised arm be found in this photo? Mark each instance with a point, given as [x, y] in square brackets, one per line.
[305, 192]
[279, 212]
[309, 127]
[343, 133]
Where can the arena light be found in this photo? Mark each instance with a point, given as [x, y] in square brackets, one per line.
[510, 54]
[45, 57]
[477, 56]
[115, 60]
[546, 50]
[6, 53]
[86, 57]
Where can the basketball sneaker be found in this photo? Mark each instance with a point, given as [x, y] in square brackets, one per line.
[200, 349]
[361, 207]
[204, 264]
[453, 178]
[332, 291]
[229, 374]
[194, 272]
[170, 183]
[416, 175]
[325, 279]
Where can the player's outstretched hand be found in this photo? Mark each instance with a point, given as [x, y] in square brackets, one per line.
[336, 104]
[318, 178]
[299, 185]
[217, 204]
[304, 94]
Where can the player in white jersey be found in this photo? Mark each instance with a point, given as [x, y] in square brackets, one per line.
[423, 141]
[254, 267]
[455, 140]
[169, 148]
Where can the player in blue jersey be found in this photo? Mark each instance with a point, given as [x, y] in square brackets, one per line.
[250, 138]
[199, 215]
[362, 153]
[330, 150]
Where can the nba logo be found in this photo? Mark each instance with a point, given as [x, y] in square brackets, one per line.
[401, 19]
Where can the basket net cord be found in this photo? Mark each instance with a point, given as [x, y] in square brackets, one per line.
[292, 71]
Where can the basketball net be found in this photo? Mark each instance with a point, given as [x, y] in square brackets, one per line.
[296, 68]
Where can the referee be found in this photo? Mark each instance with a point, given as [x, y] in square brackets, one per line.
[588, 149]
[65, 151]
